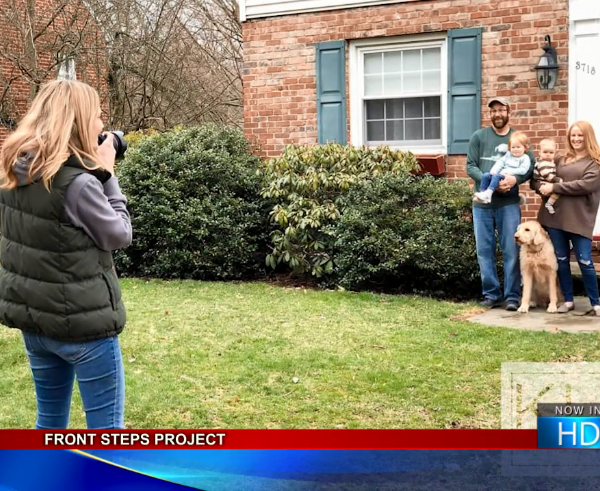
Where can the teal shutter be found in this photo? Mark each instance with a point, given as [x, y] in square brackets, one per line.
[331, 91]
[464, 88]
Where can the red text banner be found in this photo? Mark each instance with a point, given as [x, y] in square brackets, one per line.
[270, 439]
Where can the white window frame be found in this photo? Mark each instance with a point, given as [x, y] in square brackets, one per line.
[358, 48]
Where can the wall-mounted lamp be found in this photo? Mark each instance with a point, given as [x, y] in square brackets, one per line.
[547, 68]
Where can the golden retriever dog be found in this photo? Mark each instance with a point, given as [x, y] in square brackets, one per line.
[538, 268]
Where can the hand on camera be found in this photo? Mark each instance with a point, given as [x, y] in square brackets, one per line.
[107, 153]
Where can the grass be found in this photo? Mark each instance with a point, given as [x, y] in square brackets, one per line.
[225, 355]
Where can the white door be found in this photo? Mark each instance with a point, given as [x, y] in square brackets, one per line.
[584, 66]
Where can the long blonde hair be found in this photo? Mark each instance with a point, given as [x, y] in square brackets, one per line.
[589, 140]
[59, 124]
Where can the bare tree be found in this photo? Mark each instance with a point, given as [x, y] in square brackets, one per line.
[162, 62]
[37, 38]
[171, 62]
[219, 35]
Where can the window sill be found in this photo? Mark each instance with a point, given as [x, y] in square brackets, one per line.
[428, 151]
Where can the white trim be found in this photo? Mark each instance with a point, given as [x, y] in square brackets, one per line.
[242, 7]
[408, 39]
[256, 9]
[583, 10]
[571, 72]
[592, 19]
[356, 84]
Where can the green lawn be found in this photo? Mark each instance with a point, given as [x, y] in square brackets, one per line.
[225, 355]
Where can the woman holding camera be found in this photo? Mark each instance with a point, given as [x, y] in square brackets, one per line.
[62, 213]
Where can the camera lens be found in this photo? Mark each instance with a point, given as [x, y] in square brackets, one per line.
[118, 142]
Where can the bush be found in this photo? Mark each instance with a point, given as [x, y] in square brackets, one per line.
[409, 234]
[134, 138]
[195, 203]
[307, 183]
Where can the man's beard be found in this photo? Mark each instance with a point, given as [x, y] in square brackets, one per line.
[500, 122]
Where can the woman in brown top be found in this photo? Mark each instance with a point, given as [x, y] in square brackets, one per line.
[576, 211]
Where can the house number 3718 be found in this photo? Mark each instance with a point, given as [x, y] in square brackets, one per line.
[585, 68]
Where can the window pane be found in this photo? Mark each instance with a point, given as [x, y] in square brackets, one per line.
[394, 131]
[392, 61]
[413, 108]
[431, 81]
[392, 85]
[373, 63]
[432, 59]
[414, 129]
[432, 106]
[411, 82]
[375, 109]
[433, 129]
[375, 131]
[405, 72]
[394, 109]
[413, 119]
[373, 85]
[411, 60]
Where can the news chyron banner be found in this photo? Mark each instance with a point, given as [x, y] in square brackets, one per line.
[303, 460]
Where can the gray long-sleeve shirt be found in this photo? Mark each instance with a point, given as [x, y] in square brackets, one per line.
[100, 210]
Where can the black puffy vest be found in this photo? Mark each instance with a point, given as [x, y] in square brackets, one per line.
[54, 280]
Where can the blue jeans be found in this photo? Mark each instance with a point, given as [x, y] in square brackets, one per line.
[100, 375]
[505, 220]
[583, 251]
[489, 181]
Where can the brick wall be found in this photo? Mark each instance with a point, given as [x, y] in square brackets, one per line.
[74, 22]
[279, 65]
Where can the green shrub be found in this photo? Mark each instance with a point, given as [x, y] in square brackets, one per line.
[306, 184]
[408, 234]
[134, 138]
[195, 203]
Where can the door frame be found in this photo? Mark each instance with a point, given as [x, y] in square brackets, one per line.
[580, 10]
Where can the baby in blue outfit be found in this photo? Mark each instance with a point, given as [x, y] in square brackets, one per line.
[515, 162]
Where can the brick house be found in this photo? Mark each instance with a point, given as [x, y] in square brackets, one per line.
[67, 42]
[415, 74]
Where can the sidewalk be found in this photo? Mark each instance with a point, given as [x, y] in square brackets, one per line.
[539, 320]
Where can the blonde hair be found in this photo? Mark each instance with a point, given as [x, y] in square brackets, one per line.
[589, 140]
[59, 123]
[549, 141]
[520, 137]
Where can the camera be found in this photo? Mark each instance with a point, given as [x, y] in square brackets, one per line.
[118, 142]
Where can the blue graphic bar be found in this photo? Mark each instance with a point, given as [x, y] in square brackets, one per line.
[568, 432]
